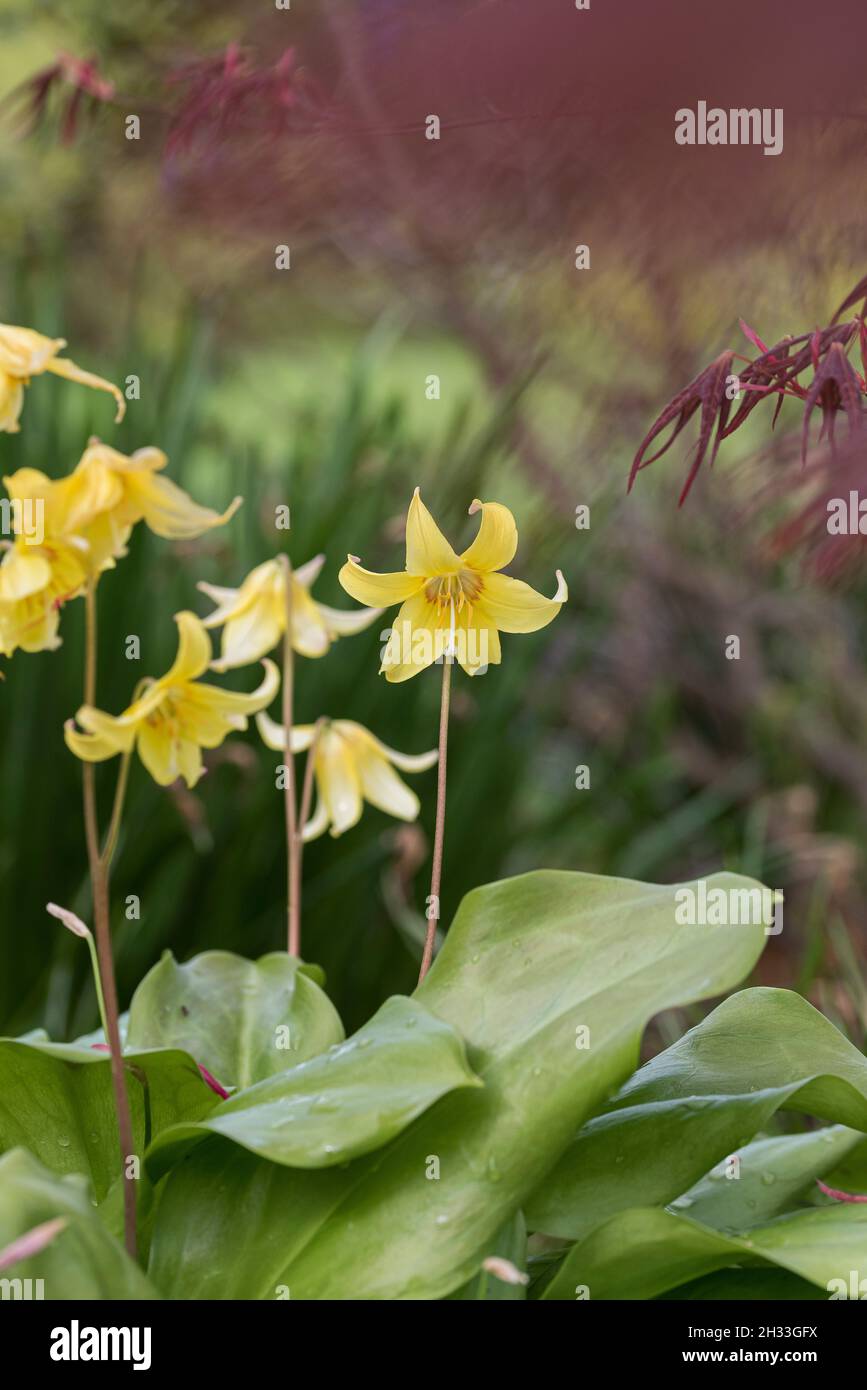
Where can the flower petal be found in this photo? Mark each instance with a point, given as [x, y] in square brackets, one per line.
[419, 636]
[317, 824]
[167, 756]
[428, 552]
[23, 574]
[477, 643]
[407, 762]
[512, 606]
[11, 401]
[61, 366]
[271, 734]
[308, 573]
[338, 782]
[497, 540]
[378, 590]
[235, 702]
[381, 786]
[194, 650]
[342, 622]
[168, 510]
[309, 632]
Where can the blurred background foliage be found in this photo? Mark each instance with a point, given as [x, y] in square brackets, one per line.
[308, 387]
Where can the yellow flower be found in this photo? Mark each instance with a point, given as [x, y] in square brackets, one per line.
[35, 580]
[351, 766]
[255, 614]
[24, 354]
[176, 717]
[453, 605]
[39, 571]
[108, 492]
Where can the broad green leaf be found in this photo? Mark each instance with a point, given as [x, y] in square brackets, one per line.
[645, 1252]
[770, 1176]
[352, 1099]
[761, 1051]
[509, 1244]
[531, 969]
[83, 1261]
[242, 1019]
[56, 1099]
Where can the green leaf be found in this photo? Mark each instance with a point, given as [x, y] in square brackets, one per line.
[353, 1099]
[645, 1252]
[527, 965]
[761, 1051]
[83, 1261]
[772, 1176]
[746, 1285]
[509, 1244]
[56, 1099]
[242, 1019]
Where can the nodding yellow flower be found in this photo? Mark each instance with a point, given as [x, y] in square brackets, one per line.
[35, 581]
[39, 571]
[351, 766]
[176, 716]
[108, 492]
[255, 615]
[453, 605]
[25, 354]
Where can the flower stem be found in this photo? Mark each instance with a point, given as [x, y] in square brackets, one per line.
[293, 899]
[99, 881]
[439, 831]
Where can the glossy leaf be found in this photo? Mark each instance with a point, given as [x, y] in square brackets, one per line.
[242, 1019]
[354, 1098]
[56, 1100]
[83, 1261]
[645, 1252]
[532, 969]
[761, 1051]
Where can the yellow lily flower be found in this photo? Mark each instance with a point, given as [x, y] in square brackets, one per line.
[453, 605]
[35, 581]
[351, 766]
[25, 354]
[176, 717]
[108, 492]
[255, 615]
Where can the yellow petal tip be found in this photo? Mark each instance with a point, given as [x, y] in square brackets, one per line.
[475, 506]
[562, 588]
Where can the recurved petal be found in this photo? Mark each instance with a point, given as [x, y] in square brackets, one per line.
[194, 650]
[168, 510]
[377, 590]
[103, 736]
[342, 622]
[24, 352]
[512, 606]
[497, 539]
[308, 573]
[381, 786]
[271, 734]
[427, 550]
[61, 366]
[233, 702]
[407, 762]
